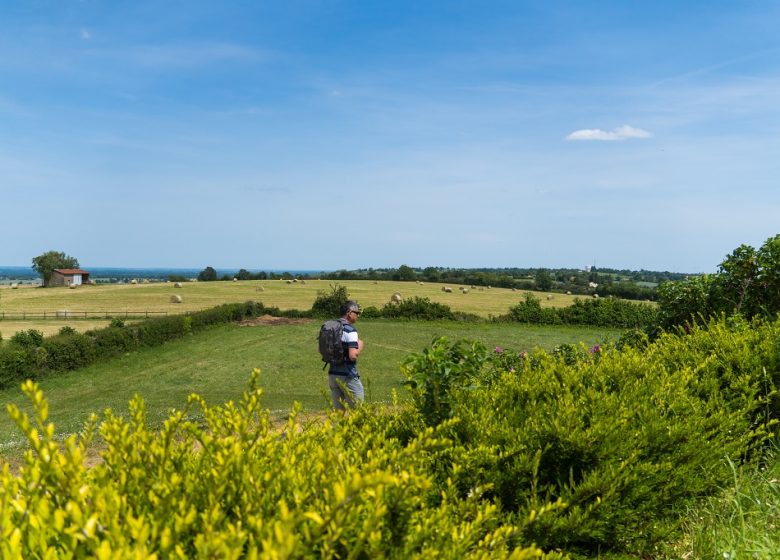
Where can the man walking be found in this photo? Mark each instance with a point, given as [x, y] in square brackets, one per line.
[343, 379]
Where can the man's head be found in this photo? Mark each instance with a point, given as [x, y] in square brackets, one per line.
[350, 310]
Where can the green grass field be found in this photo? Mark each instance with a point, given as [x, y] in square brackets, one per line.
[216, 364]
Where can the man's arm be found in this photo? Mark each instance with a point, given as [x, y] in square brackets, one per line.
[354, 352]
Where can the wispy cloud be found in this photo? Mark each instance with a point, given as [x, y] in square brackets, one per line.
[624, 132]
[85, 34]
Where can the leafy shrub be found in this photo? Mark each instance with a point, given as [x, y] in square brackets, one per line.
[433, 375]
[230, 487]
[747, 283]
[68, 351]
[67, 330]
[417, 308]
[29, 339]
[531, 311]
[603, 312]
[117, 322]
[328, 304]
[620, 440]
[371, 312]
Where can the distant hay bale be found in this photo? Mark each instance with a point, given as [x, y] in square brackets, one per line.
[595, 295]
[63, 313]
[549, 297]
[465, 290]
[14, 286]
[176, 298]
[568, 293]
[446, 289]
[259, 289]
[289, 281]
[294, 280]
[73, 286]
[177, 285]
[235, 279]
[134, 281]
[396, 298]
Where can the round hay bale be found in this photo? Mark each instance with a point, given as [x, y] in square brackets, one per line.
[73, 286]
[235, 279]
[549, 297]
[14, 286]
[465, 290]
[134, 281]
[396, 298]
[62, 313]
[177, 285]
[595, 296]
[289, 281]
[568, 293]
[259, 289]
[176, 298]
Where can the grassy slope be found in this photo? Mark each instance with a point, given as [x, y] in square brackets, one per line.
[216, 364]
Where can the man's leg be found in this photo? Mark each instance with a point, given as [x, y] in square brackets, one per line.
[337, 394]
[355, 390]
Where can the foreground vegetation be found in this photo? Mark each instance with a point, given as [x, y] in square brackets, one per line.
[578, 452]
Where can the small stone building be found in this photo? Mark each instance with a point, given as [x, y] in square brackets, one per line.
[68, 277]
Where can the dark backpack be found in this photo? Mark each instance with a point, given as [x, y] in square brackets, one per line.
[331, 347]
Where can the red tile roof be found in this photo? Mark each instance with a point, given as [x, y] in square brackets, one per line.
[70, 271]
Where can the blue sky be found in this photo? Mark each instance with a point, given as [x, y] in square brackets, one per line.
[341, 134]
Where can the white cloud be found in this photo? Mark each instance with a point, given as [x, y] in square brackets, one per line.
[624, 132]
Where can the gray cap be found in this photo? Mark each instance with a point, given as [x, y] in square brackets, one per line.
[349, 305]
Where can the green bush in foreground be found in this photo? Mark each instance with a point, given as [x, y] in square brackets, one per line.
[233, 487]
[624, 440]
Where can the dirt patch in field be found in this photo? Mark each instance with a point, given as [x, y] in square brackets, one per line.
[271, 320]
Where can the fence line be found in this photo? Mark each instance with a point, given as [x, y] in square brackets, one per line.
[63, 314]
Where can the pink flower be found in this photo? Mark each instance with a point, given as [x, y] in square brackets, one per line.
[595, 349]
[499, 350]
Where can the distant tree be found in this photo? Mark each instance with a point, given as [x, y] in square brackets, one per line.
[208, 274]
[243, 274]
[406, 273]
[431, 274]
[46, 263]
[543, 280]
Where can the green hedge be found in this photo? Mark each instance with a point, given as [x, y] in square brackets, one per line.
[622, 441]
[28, 355]
[602, 312]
